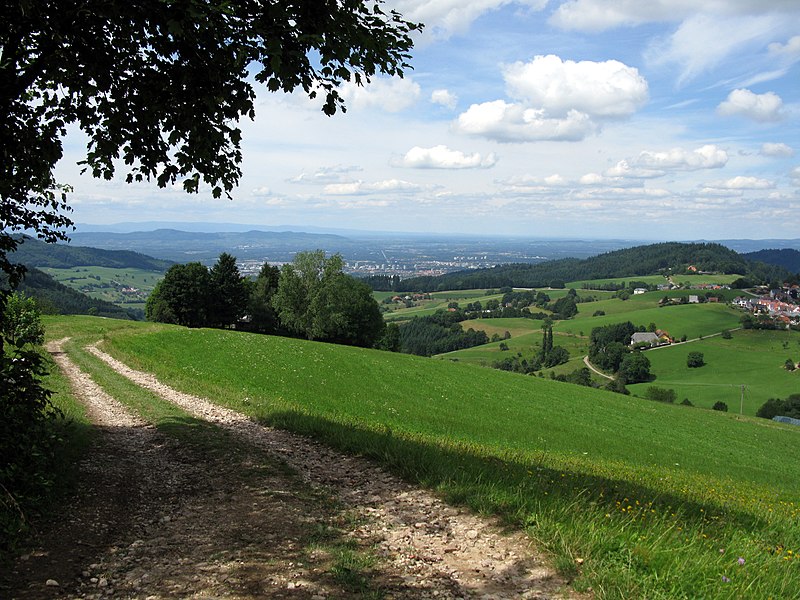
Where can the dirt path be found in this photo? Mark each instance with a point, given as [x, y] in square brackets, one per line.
[595, 369]
[159, 519]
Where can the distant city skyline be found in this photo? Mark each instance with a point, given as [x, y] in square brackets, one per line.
[572, 119]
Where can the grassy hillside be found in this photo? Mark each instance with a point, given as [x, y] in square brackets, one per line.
[633, 498]
[126, 287]
[751, 358]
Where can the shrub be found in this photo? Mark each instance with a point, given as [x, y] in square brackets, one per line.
[726, 335]
[686, 402]
[28, 441]
[721, 406]
[661, 394]
[695, 360]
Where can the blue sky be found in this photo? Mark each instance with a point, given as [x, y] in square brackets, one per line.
[576, 118]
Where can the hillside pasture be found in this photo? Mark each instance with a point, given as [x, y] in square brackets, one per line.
[751, 358]
[106, 283]
[644, 494]
[692, 320]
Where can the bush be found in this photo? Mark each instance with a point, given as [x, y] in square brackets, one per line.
[661, 394]
[775, 407]
[726, 335]
[28, 441]
[686, 402]
[721, 406]
[695, 360]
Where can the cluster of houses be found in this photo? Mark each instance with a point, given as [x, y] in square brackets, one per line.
[778, 310]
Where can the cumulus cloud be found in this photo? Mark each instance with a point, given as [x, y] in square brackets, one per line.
[599, 89]
[444, 98]
[624, 169]
[705, 157]
[261, 192]
[742, 183]
[442, 157]
[359, 188]
[555, 99]
[776, 150]
[391, 94]
[505, 122]
[443, 18]
[759, 107]
[795, 175]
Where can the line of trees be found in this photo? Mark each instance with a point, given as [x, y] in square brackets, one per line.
[311, 298]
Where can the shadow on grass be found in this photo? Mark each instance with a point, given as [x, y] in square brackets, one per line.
[513, 487]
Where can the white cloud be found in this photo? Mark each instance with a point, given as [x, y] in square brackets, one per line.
[261, 192]
[391, 94]
[335, 174]
[795, 175]
[703, 41]
[742, 183]
[759, 107]
[790, 49]
[776, 150]
[442, 18]
[705, 157]
[556, 100]
[554, 180]
[359, 188]
[442, 157]
[444, 98]
[624, 169]
[514, 123]
[599, 15]
[599, 89]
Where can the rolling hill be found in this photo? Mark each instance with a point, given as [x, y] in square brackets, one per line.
[35, 253]
[629, 262]
[632, 498]
[788, 258]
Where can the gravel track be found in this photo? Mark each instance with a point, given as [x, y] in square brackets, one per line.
[426, 548]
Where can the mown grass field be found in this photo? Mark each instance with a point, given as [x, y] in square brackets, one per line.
[105, 283]
[633, 499]
[751, 358]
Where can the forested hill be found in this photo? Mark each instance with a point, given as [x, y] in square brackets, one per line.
[56, 298]
[35, 253]
[629, 262]
[788, 258]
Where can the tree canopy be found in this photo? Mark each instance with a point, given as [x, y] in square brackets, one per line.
[158, 86]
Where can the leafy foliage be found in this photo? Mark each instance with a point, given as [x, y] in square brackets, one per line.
[159, 87]
[438, 333]
[28, 441]
[695, 360]
[609, 344]
[775, 407]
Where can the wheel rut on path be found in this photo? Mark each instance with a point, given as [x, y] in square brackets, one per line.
[221, 539]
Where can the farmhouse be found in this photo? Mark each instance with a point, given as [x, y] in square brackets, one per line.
[645, 337]
[640, 291]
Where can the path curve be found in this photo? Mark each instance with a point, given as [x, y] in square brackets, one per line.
[595, 369]
[443, 552]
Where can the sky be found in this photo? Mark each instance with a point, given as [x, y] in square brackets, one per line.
[662, 120]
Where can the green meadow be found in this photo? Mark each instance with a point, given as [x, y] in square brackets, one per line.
[631, 498]
[106, 283]
[753, 359]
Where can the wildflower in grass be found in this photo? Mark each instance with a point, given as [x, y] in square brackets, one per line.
[725, 579]
[722, 550]
[741, 560]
